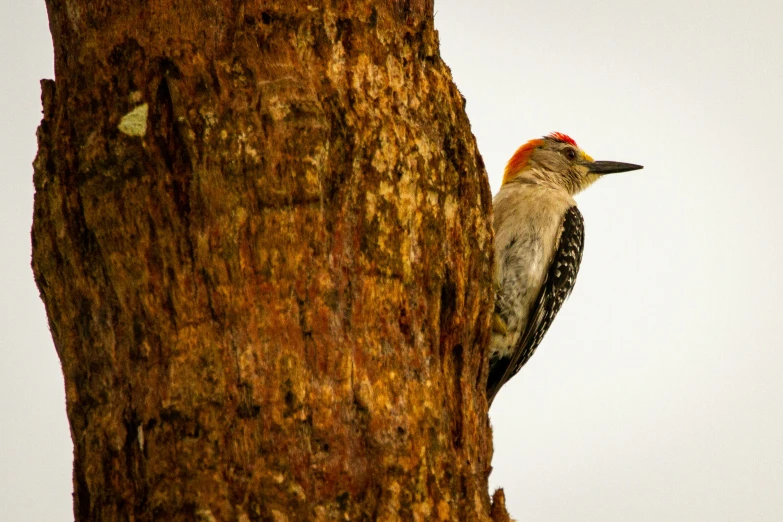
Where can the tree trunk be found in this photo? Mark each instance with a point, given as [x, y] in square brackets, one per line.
[262, 234]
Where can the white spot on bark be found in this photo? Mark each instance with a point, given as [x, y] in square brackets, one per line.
[135, 122]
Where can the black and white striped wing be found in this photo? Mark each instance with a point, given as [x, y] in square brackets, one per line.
[556, 288]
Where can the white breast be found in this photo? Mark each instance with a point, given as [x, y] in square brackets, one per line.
[527, 222]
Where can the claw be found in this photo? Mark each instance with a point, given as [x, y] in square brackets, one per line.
[499, 325]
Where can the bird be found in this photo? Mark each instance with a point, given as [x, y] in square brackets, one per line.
[539, 238]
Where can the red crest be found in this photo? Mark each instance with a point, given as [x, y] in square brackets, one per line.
[562, 138]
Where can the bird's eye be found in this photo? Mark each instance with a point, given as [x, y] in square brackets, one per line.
[570, 154]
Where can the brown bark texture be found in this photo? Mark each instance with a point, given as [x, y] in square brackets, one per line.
[262, 235]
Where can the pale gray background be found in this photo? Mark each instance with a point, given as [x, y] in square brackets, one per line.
[657, 394]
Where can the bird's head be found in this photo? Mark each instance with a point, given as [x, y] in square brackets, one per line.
[557, 160]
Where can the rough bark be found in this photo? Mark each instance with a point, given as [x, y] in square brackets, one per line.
[262, 235]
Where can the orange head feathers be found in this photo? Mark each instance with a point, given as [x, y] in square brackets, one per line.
[520, 158]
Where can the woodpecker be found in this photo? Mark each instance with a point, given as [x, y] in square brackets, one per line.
[539, 236]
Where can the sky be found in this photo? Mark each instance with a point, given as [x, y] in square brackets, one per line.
[658, 393]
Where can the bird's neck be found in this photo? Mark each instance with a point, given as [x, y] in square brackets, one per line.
[543, 178]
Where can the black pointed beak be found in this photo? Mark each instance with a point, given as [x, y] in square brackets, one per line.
[610, 167]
